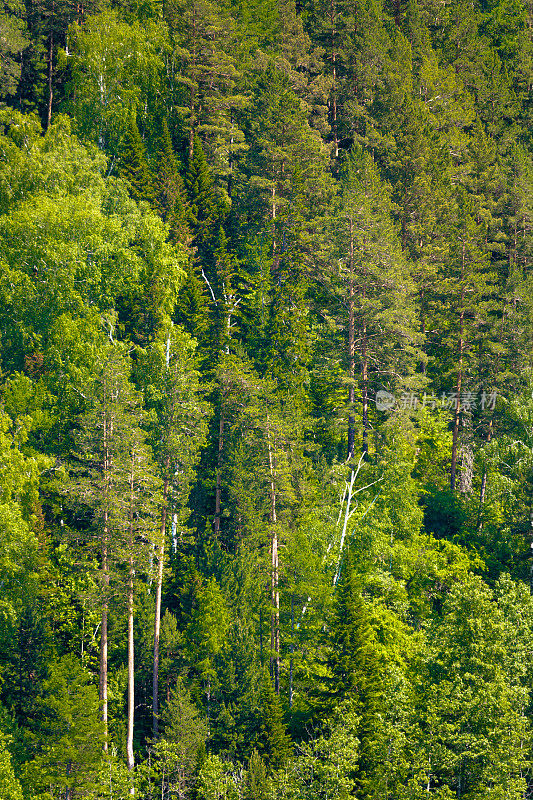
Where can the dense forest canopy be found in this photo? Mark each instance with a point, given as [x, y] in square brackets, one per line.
[266, 399]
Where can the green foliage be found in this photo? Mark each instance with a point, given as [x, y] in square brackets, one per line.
[133, 166]
[216, 781]
[13, 40]
[266, 215]
[466, 672]
[69, 747]
[9, 786]
[273, 743]
[115, 66]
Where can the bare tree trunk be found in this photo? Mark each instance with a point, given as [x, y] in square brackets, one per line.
[351, 351]
[457, 410]
[274, 631]
[364, 381]
[423, 327]
[275, 257]
[459, 382]
[103, 641]
[161, 559]
[333, 19]
[291, 668]
[274, 575]
[131, 655]
[50, 75]
[218, 485]
[261, 637]
[158, 592]
[397, 12]
[107, 433]
[192, 92]
[483, 489]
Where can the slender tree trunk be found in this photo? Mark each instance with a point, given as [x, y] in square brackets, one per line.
[50, 76]
[291, 668]
[274, 575]
[333, 15]
[459, 382]
[161, 556]
[351, 351]
[193, 91]
[397, 12]
[261, 637]
[457, 410]
[483, 489]
[230, 160]
[364, 378]
[275, 257]
[218, 485]
[423, 327]
[131, 655]
[103, 636]
[107, 435]
[158, 592]
[274, 632]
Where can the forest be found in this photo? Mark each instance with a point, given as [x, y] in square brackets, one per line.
[266, 399]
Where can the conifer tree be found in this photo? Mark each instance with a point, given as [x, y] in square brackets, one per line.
[169, 185]
[105, 486]
[133, 166]
[273, 743]
[203, 202]
[13, 41]
[375, 290]
[473, 713]
[467, 300]
[204, 82]
[71, 747]
[355, 664]
[170, 381]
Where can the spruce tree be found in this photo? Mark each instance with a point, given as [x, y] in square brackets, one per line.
[133, 166]
[169, 185]
[273, 742]
[71, 733]
[204, 207]
[355, 670]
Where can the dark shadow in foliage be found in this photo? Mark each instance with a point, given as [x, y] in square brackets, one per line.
[444, 514]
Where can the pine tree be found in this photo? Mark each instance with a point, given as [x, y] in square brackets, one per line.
[204, 82]
[466, 305]
[375, 290]
[111, 493]
[170, 382]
